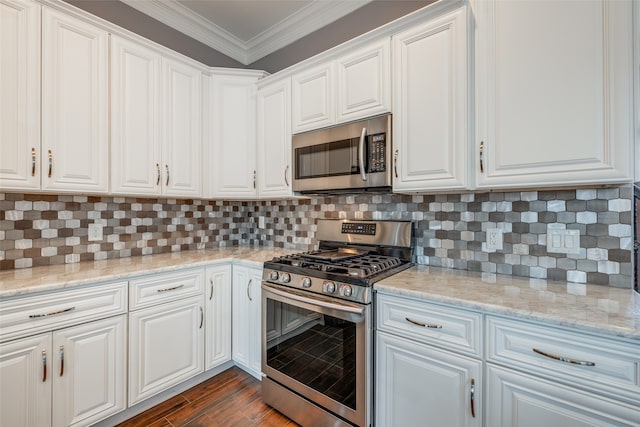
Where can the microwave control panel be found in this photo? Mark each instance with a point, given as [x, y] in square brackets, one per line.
[377, 150]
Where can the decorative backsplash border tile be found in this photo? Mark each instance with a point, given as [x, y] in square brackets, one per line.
[50, 229]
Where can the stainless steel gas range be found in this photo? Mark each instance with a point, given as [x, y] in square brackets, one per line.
[317, 325]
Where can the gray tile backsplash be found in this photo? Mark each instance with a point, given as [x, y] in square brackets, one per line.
[450, 229]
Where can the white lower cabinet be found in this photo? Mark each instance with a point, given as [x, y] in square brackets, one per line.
[166, 346]
[246, 318]
[521, 400]
[218, 315]
[71, 377]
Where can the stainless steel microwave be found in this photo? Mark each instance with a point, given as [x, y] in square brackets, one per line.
[354, 157]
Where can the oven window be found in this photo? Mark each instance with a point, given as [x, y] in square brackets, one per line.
[316, 350]
[330, 159]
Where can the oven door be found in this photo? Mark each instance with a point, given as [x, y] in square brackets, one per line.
[320, 348]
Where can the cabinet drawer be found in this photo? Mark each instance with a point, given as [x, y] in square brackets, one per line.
[443, 326]
[594, 363]
[33, 314]
[158, 288]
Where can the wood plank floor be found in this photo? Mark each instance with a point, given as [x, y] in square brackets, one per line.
[232, 398]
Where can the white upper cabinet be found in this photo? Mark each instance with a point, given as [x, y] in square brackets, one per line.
[75, 104]
[20, 100]
[274, 140]
[181, 127]
[135, 118]
[430, 106]
[363, 82]
[554, 92]
[232, 161]
[351, 87]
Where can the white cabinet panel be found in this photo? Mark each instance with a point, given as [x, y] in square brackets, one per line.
[135, 118]
[90, 372]
[274, 140]
[554, 92]
[313, 100]
[182, 129]
[218, 315]
[247, 319]
[363, 82]
[25, 382]
[430, 106]
[20, 100]
[75, 104]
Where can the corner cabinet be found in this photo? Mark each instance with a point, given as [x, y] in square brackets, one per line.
[75, 105]
[218, 315]
[246, 318]
[430, 106]
[274, 140]
[20, 101]
[554, 92]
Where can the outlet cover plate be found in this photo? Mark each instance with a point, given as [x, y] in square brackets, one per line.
[95, 232]
[494, 239]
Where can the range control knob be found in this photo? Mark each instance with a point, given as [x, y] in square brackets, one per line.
[329, 287]
[273, 275]
[306, 282]
[346, 290]
[285, 277]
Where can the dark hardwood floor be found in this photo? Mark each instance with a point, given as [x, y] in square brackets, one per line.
[231, 398]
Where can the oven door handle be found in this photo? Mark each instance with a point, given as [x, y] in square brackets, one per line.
[317, 302]
[363, 172]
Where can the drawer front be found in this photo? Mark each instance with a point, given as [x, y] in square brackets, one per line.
[594, 363]
[148, 291]
[34, 314]
[443, 326]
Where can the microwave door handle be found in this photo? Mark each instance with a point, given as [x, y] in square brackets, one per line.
[363, 173]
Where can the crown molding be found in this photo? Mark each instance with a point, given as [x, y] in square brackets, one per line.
[303, 22]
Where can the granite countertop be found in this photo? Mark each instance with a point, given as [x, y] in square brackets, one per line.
[594, 308]
[47, 278]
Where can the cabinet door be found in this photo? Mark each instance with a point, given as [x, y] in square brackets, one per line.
[417, 384]
[234, 137]
[218, 314]
[520, 400]
[554, 92]
[182, 132]
[364, 82]
[313, 102]
[274, 140]
[166, 346]
[135, 121]
[430, 106]
[20, 100]
[75, 104]
[246, 318]
[89, 373]
[25, 382]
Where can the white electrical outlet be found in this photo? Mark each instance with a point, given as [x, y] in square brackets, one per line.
[562, 241]
[494, 239]
[95, 232]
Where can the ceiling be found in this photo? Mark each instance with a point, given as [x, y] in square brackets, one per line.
[246, 30]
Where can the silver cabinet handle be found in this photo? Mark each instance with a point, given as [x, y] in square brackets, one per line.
[33, 161]
[170, 289]
[481, 155]
[211, 295]
[395, 163]
[158, 174]
[472, 395]
[61, 360]
[286, 181]
[44, 365]
[254, 179]
[363, 173]
[53, 313]
[564, 359]
[424, 325]
[50, 164]
[249, 290]
[201, 318]
[167, 168]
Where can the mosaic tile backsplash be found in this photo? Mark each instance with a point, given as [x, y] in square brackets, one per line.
[50, 229]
